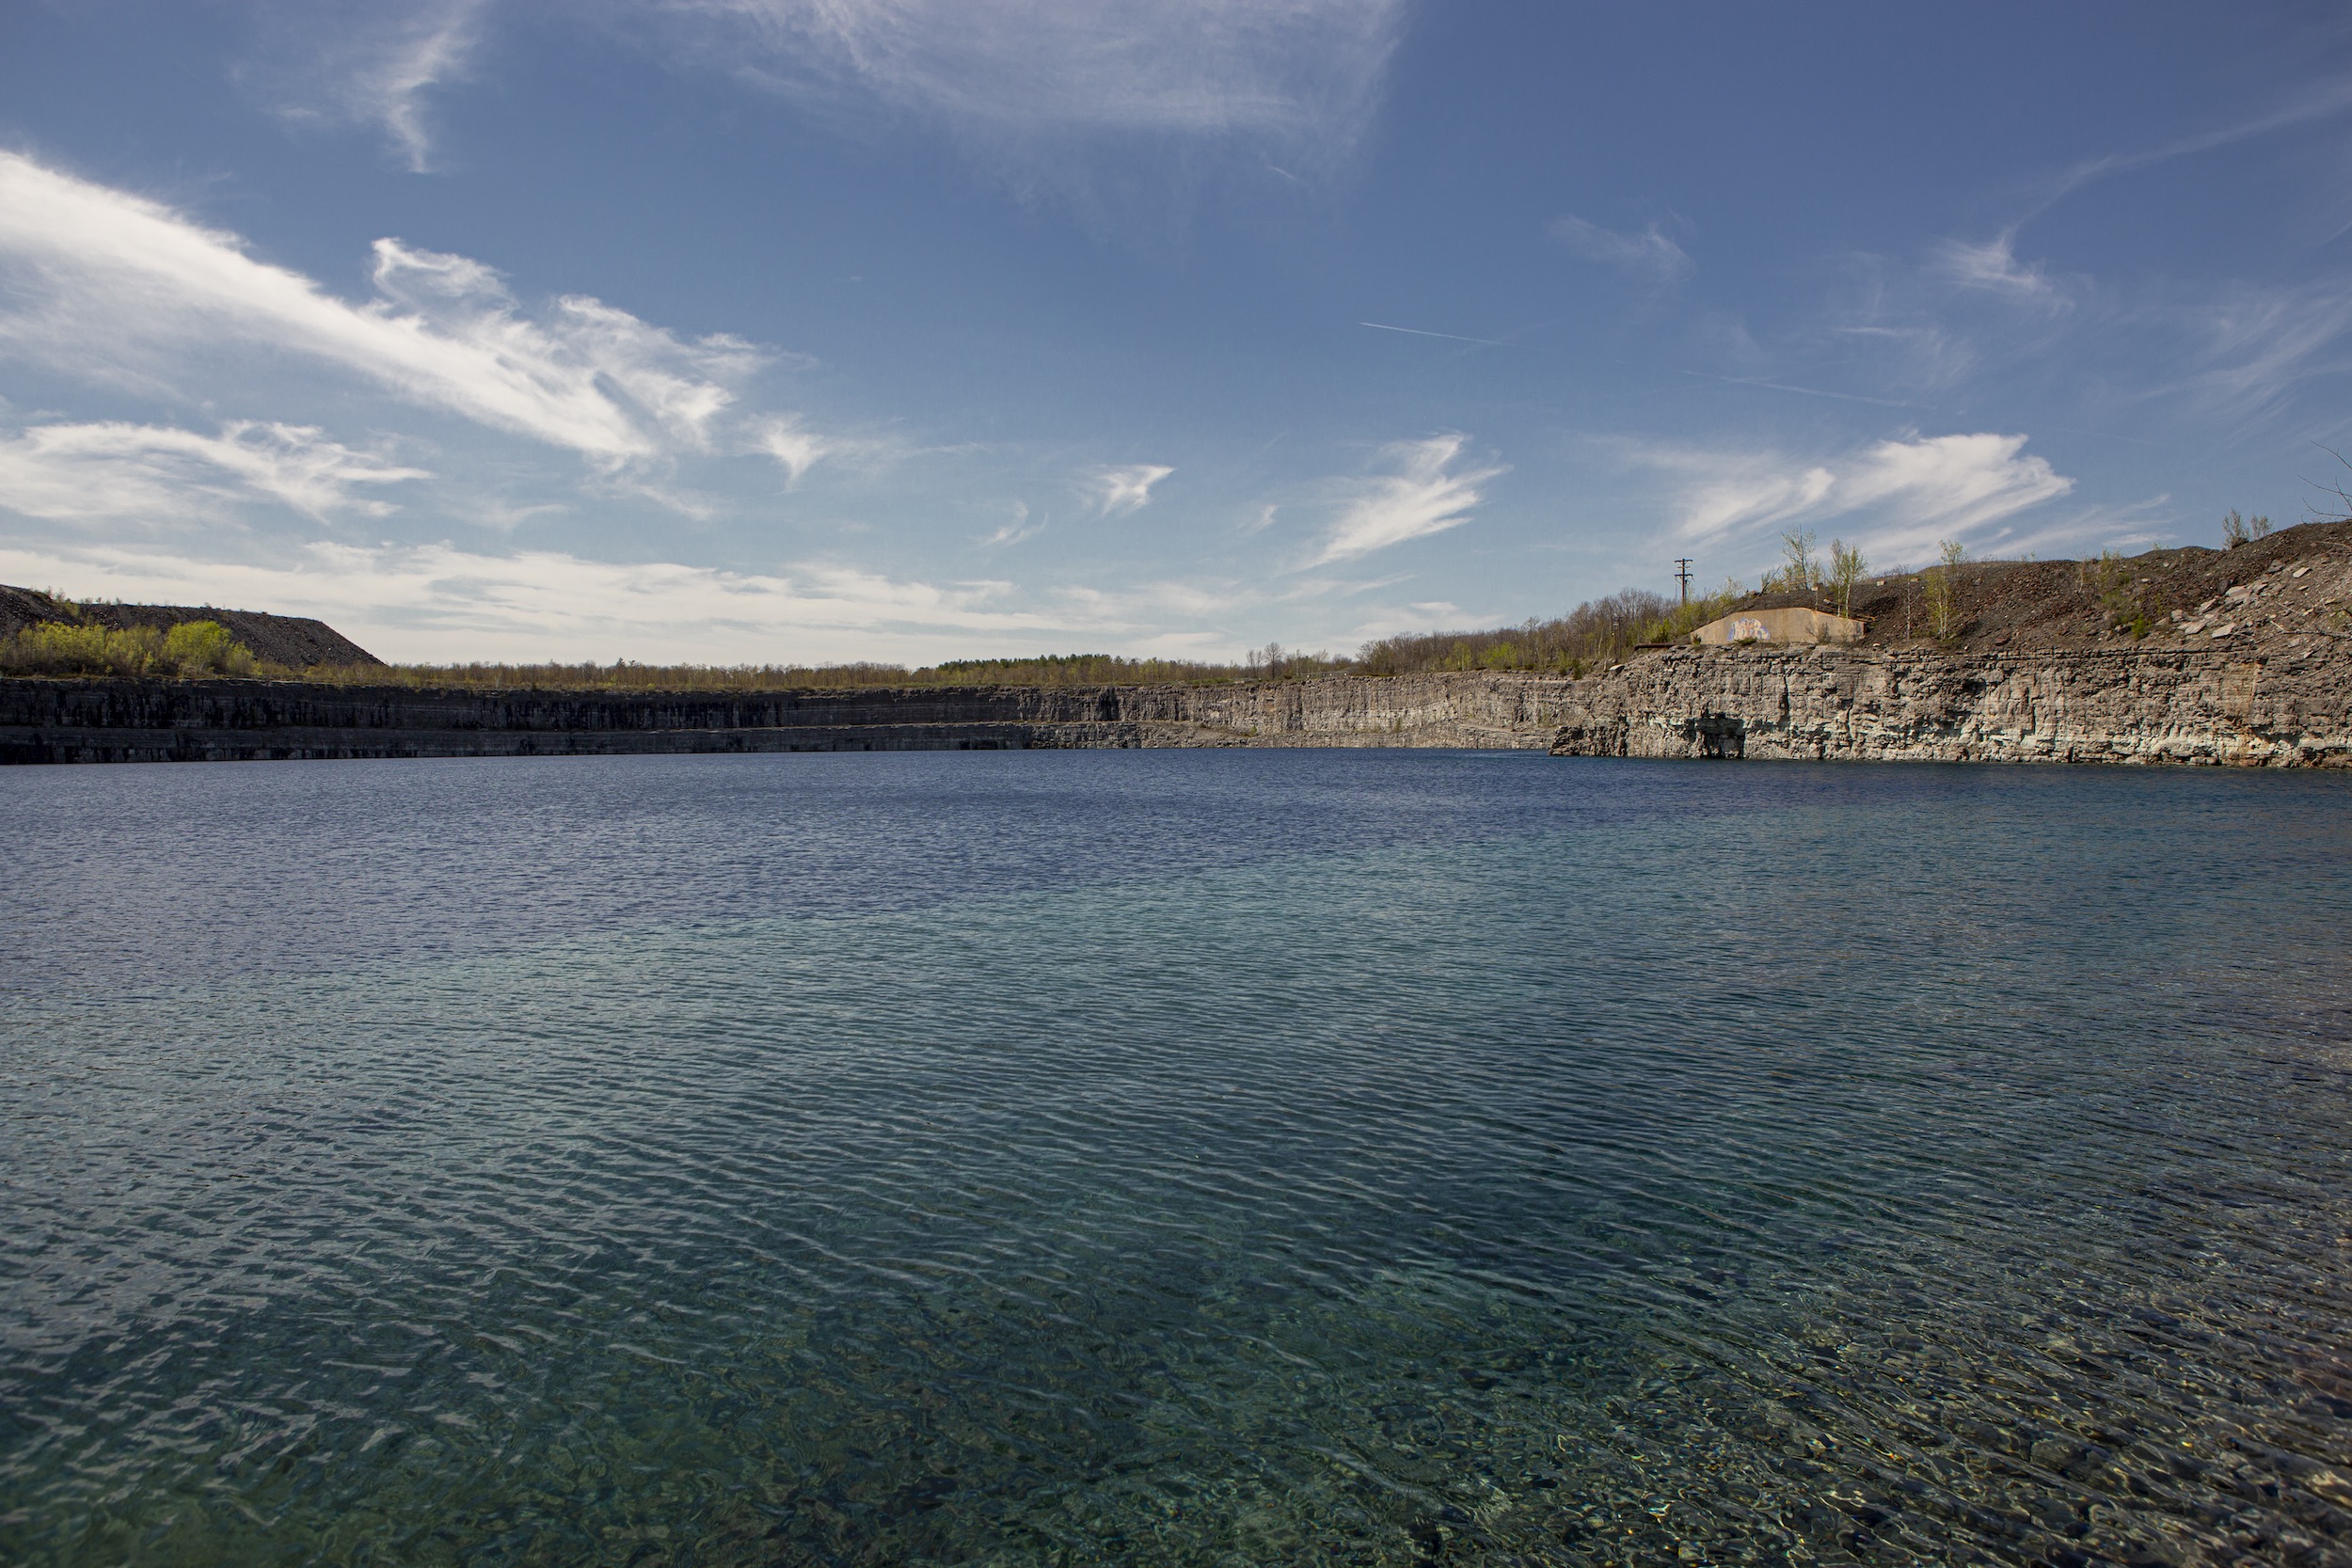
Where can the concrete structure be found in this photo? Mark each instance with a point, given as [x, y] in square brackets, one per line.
[1780, 626]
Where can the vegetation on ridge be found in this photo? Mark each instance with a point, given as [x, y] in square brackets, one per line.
[192, 648]
[1593, 636]
[1957, 602]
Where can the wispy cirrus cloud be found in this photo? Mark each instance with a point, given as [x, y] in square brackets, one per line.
[2256, 345]
[1903, 494]
[1019, 530]
[1300, 77]
[105, 285]
[1992, 267]
[113, 470]
[1023, 83]
[1121, 490]
[1431, 490]
[2322, 100]
[1649, 254]
[370, 65]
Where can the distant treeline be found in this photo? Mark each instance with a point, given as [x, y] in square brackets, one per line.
[1592, 636]
[1597, 633]
[626, 676]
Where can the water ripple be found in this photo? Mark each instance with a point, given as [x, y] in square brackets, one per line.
[1289, 1158]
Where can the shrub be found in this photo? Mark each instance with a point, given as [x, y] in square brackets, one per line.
[63, 648]
[205, 648]
[60, 649]
[2126, 607]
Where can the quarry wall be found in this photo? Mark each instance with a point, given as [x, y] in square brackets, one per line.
[153, 721]
[2126, 706]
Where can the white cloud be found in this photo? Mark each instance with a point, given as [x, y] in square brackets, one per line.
[371, 63]
[1008, 80]
[1298, 75]
[117, 470]
[101, 283]
[1920, 358]
[1649, 254]
[439, 603]
[2260, 342]
[1426, 494]
[783, 439]
[1016, 532]
[1992, 268]
[1904, 494]
[388, 89]
[1118, 492]
[2323, 100]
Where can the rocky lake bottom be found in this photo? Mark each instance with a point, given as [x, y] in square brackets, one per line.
[1175, 1157]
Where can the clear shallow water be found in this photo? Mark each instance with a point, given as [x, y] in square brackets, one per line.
[1035, 1158]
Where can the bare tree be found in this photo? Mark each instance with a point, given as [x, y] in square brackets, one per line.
[1846, 567]
[1802, 572]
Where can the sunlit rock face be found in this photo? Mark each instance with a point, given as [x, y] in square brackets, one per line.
[2290, 706]
[2172, 704]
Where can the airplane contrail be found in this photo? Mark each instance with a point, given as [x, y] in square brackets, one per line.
[1808, 391]
[1452, 336]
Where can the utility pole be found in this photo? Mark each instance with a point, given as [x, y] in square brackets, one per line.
[1682, 575]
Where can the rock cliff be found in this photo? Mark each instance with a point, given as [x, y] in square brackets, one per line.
[2287, 707]
[2283, 707]
[151, 721]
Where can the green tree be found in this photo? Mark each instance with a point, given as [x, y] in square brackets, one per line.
[1937, 583]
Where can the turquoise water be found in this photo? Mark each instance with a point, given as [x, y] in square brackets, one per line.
[1164, 1157]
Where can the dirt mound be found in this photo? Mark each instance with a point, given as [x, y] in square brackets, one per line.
[296, 641]
[2286, 593]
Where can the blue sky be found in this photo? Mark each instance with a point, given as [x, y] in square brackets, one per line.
[907, 330]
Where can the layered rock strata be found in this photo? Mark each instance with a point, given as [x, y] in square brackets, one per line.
[2166, 704]
[144, 720]
[2154, 704]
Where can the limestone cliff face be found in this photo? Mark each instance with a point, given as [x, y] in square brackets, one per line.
[2280, 708]
[145, 721]
[2153, 706]
[1481, 709]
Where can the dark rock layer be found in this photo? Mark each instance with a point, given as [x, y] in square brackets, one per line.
[149, 720]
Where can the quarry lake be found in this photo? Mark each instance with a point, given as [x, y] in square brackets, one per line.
[1175, 1157]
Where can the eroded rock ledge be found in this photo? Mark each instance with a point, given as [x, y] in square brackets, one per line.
[2125, 705]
